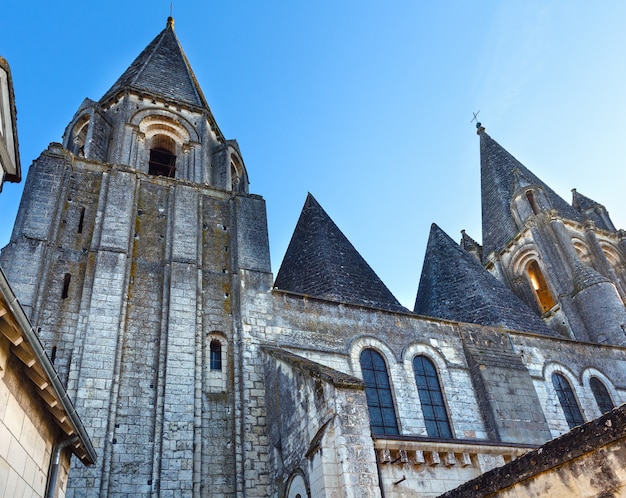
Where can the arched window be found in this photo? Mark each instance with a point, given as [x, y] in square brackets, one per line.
[215, 350]
[162, 156]
[235, 174]
[567, 400]
[531, 200]
[539, 285]
[78, 137]
[378, 393]
[431, 398]
[603, 398]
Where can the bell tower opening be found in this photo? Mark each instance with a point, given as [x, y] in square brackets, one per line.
[539, 285]
[162, 156]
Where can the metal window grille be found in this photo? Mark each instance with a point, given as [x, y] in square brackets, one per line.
[567, 400]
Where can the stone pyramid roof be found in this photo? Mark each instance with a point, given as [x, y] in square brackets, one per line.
[501, 175]
[161, 70]
[321, 262]
[589, 209]
[455, 286]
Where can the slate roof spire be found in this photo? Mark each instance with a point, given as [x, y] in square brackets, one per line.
[501, 176]
[321, 262]
[162, 71]
[455, 286]
[592, 210]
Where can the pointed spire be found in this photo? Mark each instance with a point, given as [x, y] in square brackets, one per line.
[498, 184]
[471, 246]
[321, 262]
[162, 71]
[592, 210]
[455, 286]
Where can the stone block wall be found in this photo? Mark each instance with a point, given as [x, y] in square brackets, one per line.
[27, 434]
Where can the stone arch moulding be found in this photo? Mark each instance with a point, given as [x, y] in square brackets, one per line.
[582, 250]
[575, 382]
[589, 372]
[369, 342]
[297, 485]
[522, 257]
[77, 137]
[611, 253]
[148, 121]
[431, 353]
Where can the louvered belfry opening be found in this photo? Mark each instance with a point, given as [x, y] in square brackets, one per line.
[162, 157]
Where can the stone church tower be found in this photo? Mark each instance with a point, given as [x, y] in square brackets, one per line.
[563, 260]
[127, 252]
[143, 262]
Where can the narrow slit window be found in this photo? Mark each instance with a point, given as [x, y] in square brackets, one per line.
[540, 287]
[215, 350]
[431, 398]
[66, 285]
[602, 396]
[378, 393]
[567, 399]
[81, 220]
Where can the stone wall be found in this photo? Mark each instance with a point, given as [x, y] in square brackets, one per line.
[27, 434]
[589, 461]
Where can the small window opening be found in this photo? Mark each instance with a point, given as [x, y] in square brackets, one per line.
[603, 398]
[215, 355]
[539, 285]
[53, 354]
[533, 203]
[81, 220]
[162, 157]
[66, 285]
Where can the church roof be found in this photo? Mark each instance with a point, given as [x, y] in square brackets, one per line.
[161, 70]
[501, 176]
[321, 262]
[455, 286]
[589, 208]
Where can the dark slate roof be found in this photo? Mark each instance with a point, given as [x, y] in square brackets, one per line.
[589, 208]
[455, 286]
[321, 262]
[161, 70]
[499, 181]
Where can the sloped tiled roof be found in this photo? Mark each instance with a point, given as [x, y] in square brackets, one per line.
[588, 207]
[455, 286]
[161, 70]
[500, 177]
[321, 262]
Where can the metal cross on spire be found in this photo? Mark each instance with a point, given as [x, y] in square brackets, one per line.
[475, 118]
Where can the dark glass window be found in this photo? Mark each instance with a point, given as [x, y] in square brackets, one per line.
[215, 350]
[431, 398]
[567, 400]
[605, 403]
[378, 393]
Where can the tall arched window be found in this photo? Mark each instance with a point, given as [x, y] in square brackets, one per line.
[215, 351]
[162, 156]
[567, 400]
[431, 398]
[378, 393]
[539, 285]
[603, 398]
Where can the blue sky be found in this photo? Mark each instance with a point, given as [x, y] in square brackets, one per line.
[367, 105]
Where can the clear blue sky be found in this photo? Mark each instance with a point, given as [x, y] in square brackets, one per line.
[367, 105]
